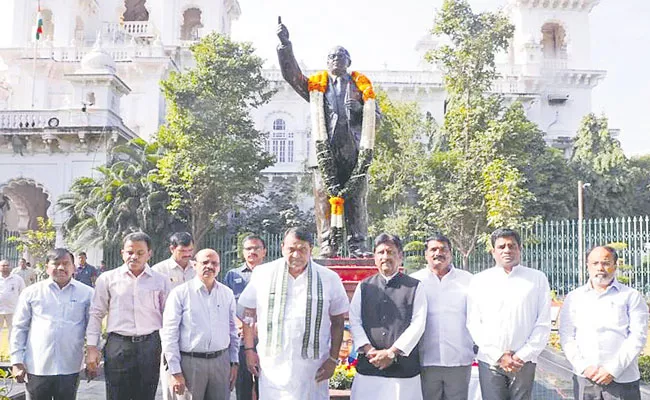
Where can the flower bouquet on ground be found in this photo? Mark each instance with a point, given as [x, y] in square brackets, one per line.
[343, 376]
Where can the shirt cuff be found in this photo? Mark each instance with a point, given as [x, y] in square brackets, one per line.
[92, 340]
[18, 359]
[613, 369]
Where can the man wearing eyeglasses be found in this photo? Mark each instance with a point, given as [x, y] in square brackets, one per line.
[254, 251]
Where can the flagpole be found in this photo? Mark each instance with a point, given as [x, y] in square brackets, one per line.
[36, 39]
[34, 73]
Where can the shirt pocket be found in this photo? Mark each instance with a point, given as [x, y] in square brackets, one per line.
[618, 314]
[149, 299]
[75, 312]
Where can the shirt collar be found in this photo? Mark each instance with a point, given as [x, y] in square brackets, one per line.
[614, 284]
[389, 278]
[245, 267]
[199, 286]
[177, 265]
[50, 282]
[124, 269]
[450, 273]
[514, 269]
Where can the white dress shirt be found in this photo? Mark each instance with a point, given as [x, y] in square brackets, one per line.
[49, 327]
[509, 312]
[177, 275]
[196, 320]
[10, 288]
[288, 375]
[446, 342]
[605, 329]
[134, 304]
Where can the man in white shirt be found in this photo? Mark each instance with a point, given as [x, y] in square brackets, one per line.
[178, 267]
[298, 308]
[446, 348]
[199, 334]
[26, 272]
[10, 288]
[603, 327]
[132, 297]
[388, 314]
[509, 318]
[47, 341]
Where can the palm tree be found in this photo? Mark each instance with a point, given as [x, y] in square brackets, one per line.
[123, 199]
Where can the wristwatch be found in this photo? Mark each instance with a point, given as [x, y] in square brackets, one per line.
[391, 355]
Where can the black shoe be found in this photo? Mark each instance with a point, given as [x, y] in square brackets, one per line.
[327, 252]
[359, 253]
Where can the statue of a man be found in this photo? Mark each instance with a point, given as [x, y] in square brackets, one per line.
[343, 99]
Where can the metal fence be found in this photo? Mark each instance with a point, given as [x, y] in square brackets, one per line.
[8, 250]
[552, 247]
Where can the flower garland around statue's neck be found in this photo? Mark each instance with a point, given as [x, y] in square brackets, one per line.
[338, 192]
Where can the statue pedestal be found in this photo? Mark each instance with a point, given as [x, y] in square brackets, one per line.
[351, 270]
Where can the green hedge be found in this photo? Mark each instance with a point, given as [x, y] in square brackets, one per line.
[644, 368]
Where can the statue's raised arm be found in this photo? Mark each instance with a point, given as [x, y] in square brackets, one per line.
[288, 65]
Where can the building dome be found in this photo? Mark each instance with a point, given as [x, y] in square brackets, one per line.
[98, 60]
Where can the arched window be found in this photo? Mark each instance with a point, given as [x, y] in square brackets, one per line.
[135, 10]
[553, 40]
[279, 125]
[191, 24]
[280, 142]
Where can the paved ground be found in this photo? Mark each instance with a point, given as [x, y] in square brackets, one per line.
[552, 382]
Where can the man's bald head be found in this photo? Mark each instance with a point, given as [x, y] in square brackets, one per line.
[207, 266]
[5, 269]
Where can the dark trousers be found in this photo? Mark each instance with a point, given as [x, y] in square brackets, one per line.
[496, 384]
[584, 389]
[57, 387]
[245, 385]
[132, 368]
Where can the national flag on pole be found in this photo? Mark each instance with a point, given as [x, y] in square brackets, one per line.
[39, 24]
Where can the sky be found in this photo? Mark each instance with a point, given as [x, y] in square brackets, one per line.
[382, 34]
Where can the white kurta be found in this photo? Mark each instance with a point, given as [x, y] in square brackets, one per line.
[379, 387]
[288, 376]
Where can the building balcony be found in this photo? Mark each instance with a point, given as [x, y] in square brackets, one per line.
[62, 121]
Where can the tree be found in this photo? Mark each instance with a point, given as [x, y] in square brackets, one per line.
[597, 158]
[473, 185]
[124, 198]
[494, 167]
[399, 162]
[640, 185]
[37, 242]
[213, 156]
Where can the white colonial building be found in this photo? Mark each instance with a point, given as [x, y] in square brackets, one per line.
[93, 81]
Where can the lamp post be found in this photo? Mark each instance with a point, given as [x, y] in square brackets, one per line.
[581, 238]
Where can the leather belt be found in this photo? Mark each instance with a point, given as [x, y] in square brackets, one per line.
[210, 354]
[134, 339]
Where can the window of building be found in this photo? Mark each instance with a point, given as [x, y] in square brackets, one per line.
[553, 40]
[135, 10]
[191, 24]
[280, 142]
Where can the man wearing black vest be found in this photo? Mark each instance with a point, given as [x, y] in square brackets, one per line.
[387, 317]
